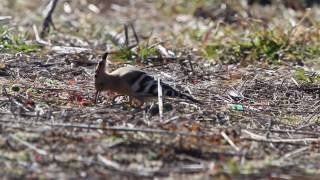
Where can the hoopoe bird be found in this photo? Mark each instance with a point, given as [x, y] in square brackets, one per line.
[133, 82]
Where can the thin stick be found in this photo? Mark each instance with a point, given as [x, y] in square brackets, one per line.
[116, 166]
[109, 163]
[295, 152]
[262, 138]
[134, 33]
[30, 146]
[295, 82]
[226, 137]
[160, 101]
[286, 131]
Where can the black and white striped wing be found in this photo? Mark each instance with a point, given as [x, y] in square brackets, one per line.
[142, 84]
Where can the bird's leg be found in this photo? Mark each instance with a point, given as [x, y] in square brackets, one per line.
[48, 20]
[96, 97]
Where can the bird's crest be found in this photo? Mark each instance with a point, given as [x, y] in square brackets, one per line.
[102, 64]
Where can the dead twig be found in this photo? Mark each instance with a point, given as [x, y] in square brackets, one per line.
[286, 131]
[295, 152]
[116, 166]
[226, 137]
[188, 168]
[263, 138]
[126, 33]
[109, 163]
[134, 33]
[29, 145]
[160, 99]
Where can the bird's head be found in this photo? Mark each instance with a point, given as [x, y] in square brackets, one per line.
[101, 68]
[100, 73]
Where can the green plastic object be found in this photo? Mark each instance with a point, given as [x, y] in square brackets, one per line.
[237, 107]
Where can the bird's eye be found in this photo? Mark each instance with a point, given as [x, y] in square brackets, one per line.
[95, 76]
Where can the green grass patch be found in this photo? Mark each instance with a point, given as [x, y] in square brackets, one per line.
[12, 41]
[145, 51]
[306, 77]
[272, 47]
[124, 54]
[139, 53]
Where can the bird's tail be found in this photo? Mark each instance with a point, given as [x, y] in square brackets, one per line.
[169, 91]
[190, 98]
